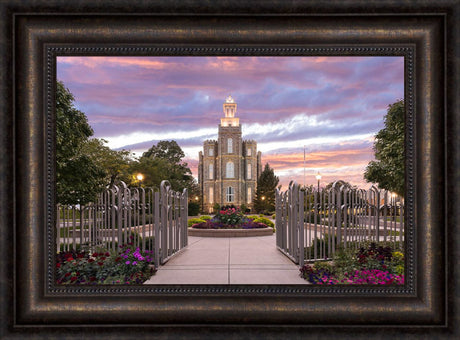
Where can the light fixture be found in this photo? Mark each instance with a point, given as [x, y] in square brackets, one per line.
[318, 176]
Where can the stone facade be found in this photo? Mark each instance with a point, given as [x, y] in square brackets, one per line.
[229, 167]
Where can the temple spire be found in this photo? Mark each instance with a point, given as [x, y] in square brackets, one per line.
[229, 107]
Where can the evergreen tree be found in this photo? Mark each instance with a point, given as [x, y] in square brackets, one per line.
[264, 200]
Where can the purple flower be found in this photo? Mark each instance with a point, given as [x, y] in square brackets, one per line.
[128, 262]
[134, 263]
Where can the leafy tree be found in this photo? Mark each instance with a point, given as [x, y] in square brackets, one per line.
[78, 177]
[164, 162]
[388, 168]
[168, 150]
[154, 171]
[265, 194]
[116, 164]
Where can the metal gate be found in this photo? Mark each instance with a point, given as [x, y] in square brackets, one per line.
[312, 224]
[149, 218]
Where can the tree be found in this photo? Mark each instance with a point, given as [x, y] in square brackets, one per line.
[78, 177]
[264, 200]
[153, 170]
[168, 150]
[388, 168]
[164, 162]
[114, 163]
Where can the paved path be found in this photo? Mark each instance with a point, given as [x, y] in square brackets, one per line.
[234, 260]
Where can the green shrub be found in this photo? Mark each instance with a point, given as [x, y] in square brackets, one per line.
[345, 261]
[193, 208]
[266, 221]
[274, 216]
[193, 221]
[216, 208]
[252, 217]
[205, 217]
[324, 266]
[322, 247]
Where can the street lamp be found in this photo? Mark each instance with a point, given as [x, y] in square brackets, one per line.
[318, 177]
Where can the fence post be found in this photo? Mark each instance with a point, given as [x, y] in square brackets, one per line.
[345, 216]
[184, 217]
[301, 227]
[157, 227]
[278, 213]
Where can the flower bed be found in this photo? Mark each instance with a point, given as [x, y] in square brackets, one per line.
[229, 218]
[127, 266]
[229, 222]
[378, 265]
[234, 232]
[219, 225]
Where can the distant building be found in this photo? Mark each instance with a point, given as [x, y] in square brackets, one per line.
[229, 167]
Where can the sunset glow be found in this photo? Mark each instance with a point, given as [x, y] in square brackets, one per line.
[331, 105]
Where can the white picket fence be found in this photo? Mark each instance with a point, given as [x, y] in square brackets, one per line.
[312, 224]
[151, 219]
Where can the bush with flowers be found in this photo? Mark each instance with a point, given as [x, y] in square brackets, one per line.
[127, 266]
[229, 217]
[373, 264]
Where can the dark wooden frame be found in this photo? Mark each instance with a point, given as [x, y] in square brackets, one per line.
[34, 32]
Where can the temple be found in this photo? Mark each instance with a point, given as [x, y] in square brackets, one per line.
[229, 167]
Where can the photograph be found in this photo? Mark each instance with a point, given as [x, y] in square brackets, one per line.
[233, 137]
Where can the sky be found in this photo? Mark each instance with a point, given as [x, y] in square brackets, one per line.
[326, 108]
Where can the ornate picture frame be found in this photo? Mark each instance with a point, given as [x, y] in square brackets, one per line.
[35, 33]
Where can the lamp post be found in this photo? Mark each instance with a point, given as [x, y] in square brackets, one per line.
[318, 177]
[263, 202]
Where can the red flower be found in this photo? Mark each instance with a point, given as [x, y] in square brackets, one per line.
[67, 274]
[70, 258]
[80, 256]
[92, 278]
[58, 265]
[107, 254]
[102, 258]
[95, 254]
[100, 263]
[73, 278]
[90, 260]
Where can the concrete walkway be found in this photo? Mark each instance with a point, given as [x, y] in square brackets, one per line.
[236, 260]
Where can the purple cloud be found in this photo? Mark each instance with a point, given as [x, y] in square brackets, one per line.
[334, 104]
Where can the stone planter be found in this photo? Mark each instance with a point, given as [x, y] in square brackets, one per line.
[230, 232]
